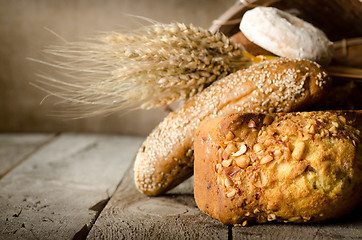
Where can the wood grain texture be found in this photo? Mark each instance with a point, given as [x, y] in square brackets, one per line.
[133, 215]
[59, 190]
[14, 148]
[349, 227]
[49, 195]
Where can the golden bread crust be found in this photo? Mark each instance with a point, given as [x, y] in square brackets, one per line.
[250, 47]
[291, 167]
[166, 157]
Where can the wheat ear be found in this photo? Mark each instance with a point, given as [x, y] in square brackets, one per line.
[148, 67]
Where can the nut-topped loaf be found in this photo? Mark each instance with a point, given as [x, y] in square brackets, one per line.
[291, 167]
[280, 85]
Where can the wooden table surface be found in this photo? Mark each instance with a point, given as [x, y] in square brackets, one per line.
[80, 186]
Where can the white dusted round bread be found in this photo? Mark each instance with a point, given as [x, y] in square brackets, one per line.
[286, 35]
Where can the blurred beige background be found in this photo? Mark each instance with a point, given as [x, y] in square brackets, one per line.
[23, 34]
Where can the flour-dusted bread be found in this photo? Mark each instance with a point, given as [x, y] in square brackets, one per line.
[290, 167]
[281, 85]
[286, 35]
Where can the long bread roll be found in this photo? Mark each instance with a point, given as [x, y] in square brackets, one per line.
[281, 85]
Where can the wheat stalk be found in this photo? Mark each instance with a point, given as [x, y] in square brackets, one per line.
[149, 67]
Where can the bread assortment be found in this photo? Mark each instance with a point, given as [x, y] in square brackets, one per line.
[281, 85]
[253, 157]
[253, 160]
[289, 167]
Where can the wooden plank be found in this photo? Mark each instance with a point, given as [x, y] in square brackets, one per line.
[132, 215]
[349, 227]
[49, 195]
[14, 148]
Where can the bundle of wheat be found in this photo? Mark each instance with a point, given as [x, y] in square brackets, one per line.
[145, 68]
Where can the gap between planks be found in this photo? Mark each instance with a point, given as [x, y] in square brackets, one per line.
[130, 214]
[48, 195]
[98, 208]
[14, 161]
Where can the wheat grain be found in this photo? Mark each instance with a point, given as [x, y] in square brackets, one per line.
[148, 67]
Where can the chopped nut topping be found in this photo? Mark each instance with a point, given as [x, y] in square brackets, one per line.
[298, 150]
[324, 133]
[335, 124]
[229, 136]
[242, 161]
[219, 154]
[241, 151]
[258, 147]
[231, 148]
[231, 193]
[245, 222]
[271, 217]
[251, 124]
[219, 181]
[190, 152]
[278, 153]
[258, 183]
[226, 163]
[266, 159]
[268, 120]
[306, 219]
[293, 219]
[263, 179]
[218, 168]
[333, 129]
[228, 182]
[342, 119]
[260, 132]
[237, 139]
[256, 211]
[310, 128]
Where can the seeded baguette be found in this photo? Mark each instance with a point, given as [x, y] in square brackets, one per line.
[290, 167]
[281, 85]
